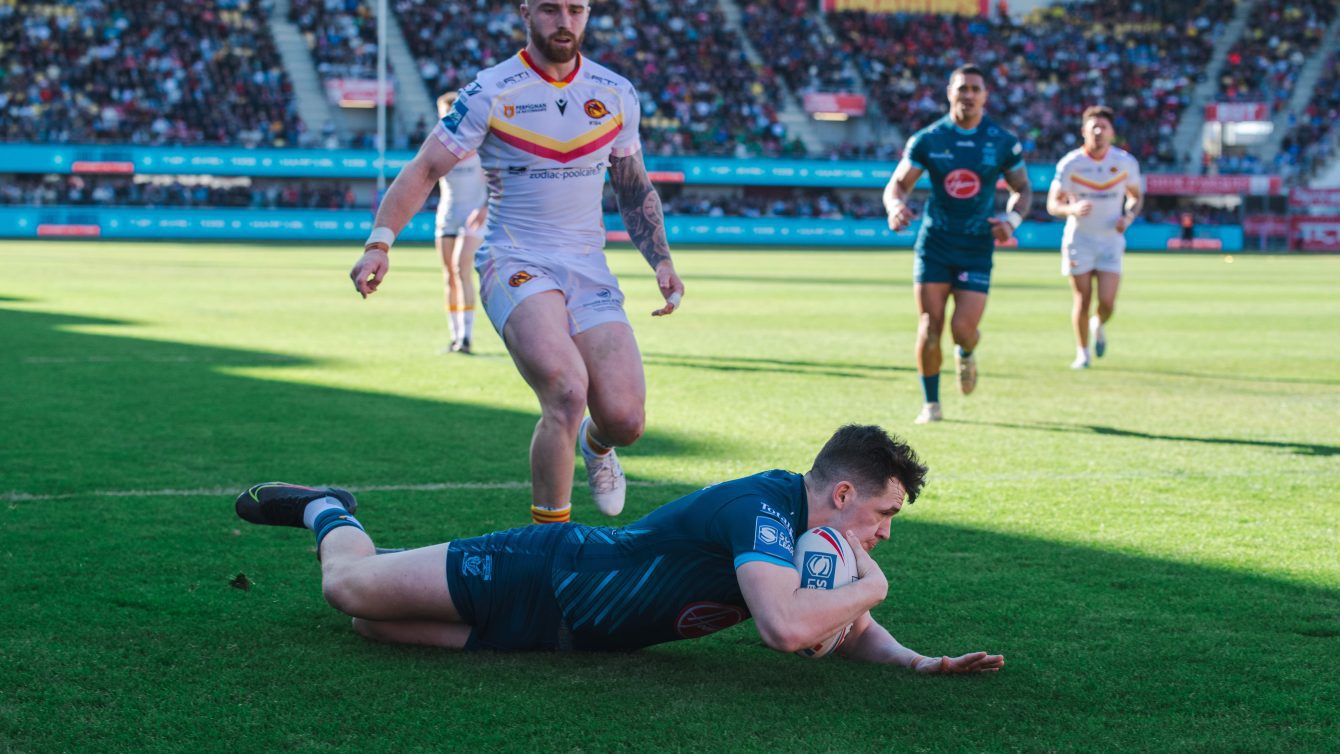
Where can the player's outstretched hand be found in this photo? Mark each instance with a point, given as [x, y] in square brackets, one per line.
[672, 288]
[1001, 229]
[901, 217]
[370, 271]
[973, 662]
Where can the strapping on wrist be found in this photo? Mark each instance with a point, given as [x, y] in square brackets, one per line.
[380, 239]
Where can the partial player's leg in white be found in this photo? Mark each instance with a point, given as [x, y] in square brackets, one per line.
[617, 397]
[969, 306]
[1081, 286]
[463, 288]
[446, 246]
[1108, 283]
[537, 337]
[931, 299]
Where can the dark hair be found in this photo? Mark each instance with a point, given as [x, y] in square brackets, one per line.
[968, 70]
[869, 457]
[1099, 111]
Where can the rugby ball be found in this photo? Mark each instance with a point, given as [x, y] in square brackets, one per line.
[825, 561]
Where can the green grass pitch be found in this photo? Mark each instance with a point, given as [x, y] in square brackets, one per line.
[1152, 544]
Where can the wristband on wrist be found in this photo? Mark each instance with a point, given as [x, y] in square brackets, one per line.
[380, 239]
[913, 665]
[1014, 219]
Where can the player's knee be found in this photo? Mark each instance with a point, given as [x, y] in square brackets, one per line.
[343, 591]
[623, 428]
[1105, 309]
[963, 332]
[931, 325]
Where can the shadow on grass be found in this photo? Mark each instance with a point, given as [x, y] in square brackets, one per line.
[776, 366]
[1226, 377]
[101, 412]
[1297, 448]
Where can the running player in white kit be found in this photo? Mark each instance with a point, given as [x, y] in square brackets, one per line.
[1097, 190]
[462, 211]
[548, 124]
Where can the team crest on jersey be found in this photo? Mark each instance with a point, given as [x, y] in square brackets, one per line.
[509, 110]
[963, 184]
[595, 109]
[520, 279]
[699, 619]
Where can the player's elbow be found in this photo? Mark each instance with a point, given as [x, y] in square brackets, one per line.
[781, 636]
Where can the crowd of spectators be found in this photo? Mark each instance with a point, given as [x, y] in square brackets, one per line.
[699, 93]
[1141, 58]
[341, 34]
[1311, 143]
[1264, 64]
[127, 191]
[788, 36]
[814, 203]
[143, 72]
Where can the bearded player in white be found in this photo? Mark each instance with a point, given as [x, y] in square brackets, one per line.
[1097, 190]
[547, 123]
[462, 211]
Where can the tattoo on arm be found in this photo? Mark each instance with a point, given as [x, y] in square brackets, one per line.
[640, 207]
[1021, 192]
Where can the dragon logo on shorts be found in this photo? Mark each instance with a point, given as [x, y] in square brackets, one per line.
[699, 619]
[520, 279]
[596, 109]
[963, 184]
[475, 565]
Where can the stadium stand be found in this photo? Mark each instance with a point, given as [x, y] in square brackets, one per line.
[143, 72]
[1263, 66]
[342, 35]
[1143, 62]
[167, 191]
[1312, 141]
[787, 35]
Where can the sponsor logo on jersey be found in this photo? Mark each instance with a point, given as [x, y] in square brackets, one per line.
[602, 80]
[562, 106]
[820, 569]
[963, 184]
[509, 111]
[515, 78]
[1018, 148]
[520, 279]
[699, 619]
[595, 109]
[452, 120]
[945, 155]
[1113, 169]
[965, 143]
[603, 293]
[563, 174]
[516, 169]
[480, 566]
[473, 88]
[534, 107]
[771, 537]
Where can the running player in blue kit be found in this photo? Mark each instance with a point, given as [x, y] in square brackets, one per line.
[694, 566]
[965, 153]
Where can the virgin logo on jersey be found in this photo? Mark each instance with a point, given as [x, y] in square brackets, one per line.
[699, 619]
[963, 184]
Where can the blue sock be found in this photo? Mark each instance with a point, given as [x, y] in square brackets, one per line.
[330, 520]
[930, 385]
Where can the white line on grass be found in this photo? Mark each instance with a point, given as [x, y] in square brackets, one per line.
[15, 496]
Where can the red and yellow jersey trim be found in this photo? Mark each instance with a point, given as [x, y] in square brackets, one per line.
[553, 149]
[1096, 186]
[559, 83]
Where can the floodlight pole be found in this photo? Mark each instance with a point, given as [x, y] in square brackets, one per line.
[381, 99]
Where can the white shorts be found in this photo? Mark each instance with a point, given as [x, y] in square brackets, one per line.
[508, 276]
[451, 221]
[1083, 255]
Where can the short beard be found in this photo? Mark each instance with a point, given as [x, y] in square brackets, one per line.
[554, 54]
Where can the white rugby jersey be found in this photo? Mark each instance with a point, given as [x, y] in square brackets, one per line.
[545, 145]
[1102, 182]
[463, 188]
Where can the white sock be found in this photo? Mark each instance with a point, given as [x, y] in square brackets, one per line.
[1081, 353]
[587, 447]
[317, 507]
[457, 325]
[468, 323]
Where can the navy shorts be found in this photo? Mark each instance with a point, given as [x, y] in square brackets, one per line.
[502, 586]
[964, 265]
